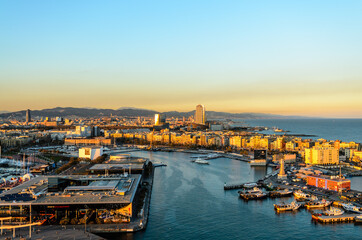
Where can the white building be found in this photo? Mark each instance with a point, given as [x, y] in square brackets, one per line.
[80, 131]
[90, 152]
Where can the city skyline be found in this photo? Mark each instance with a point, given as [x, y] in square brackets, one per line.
[276, 57]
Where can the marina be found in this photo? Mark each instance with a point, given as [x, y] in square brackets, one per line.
[210, 183]
[282, 205]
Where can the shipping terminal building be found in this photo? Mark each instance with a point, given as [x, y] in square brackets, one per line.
[76, 199]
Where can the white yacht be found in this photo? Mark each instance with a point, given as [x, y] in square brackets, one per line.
[201, 161]
[351, 208]
[333, 212]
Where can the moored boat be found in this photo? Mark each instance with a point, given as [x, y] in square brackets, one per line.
[302, 196]
[201, 161]
[287, 207]
[281, 193]
[358, 219]
[212, 156]
[332, 211]
[318, 204]
[351, 208]
[255, 193]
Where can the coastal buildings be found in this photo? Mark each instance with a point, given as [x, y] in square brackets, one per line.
[178, 131]
[200, 117]
[88, 141]
[321, 155]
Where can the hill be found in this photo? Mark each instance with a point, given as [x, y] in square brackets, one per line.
[133, 112]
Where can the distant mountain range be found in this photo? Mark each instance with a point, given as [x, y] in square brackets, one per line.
[134, 112]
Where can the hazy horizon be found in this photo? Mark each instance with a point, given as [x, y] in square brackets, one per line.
[187, 110]
[282, 57]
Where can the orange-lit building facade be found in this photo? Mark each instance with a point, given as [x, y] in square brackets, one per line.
[88, 141]
[328, 183]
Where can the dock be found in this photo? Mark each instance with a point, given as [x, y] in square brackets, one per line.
[240, 185]
[233, 186]
[335, 219]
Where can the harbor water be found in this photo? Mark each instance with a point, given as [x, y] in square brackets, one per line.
[330, 129]
[188, 202]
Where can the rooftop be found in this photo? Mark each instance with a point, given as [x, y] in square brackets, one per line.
[116, 166]
[100, 190]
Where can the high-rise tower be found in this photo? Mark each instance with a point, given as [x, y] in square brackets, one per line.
[200, 114]
[160, 119]
[28, 116]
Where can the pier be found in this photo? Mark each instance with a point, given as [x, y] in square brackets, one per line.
[335, 219]
[240, 185]
[233, 186]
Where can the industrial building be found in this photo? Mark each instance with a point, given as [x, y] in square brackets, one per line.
[73, 199]
[116, 168]
[327, 182]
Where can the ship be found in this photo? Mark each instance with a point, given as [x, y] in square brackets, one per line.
[212, 156]
[281, 193]
[302, 196]
[278, 130]
[358, 219]
[318, 204]
[287, 207]
[201, 161]
[351, 208]
[333, 212]
[255, 193]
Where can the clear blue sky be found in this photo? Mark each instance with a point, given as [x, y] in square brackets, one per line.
[286, 57]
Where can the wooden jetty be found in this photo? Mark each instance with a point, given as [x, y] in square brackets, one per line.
[334, 219]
